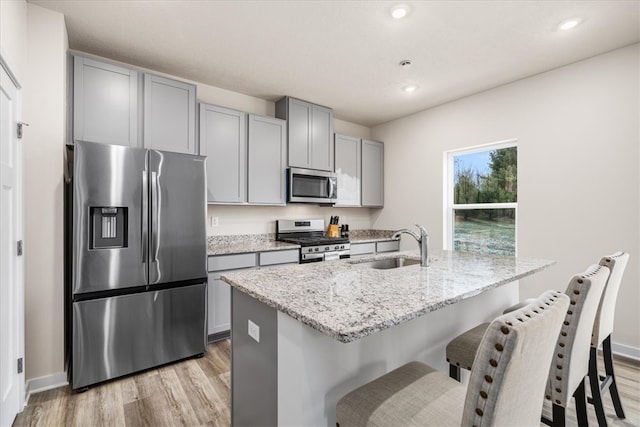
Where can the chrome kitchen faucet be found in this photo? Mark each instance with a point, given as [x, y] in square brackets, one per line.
[422, 239]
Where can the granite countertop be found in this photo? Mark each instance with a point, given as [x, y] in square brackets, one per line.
[347, 301]
[245, 243]
[366, 236]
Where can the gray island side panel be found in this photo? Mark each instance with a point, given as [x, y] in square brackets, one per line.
[254, 365]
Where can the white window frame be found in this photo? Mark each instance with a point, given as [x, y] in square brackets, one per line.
[449, 206]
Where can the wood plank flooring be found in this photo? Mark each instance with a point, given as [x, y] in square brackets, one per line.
[196, 392]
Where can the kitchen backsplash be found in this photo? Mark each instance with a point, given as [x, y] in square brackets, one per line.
[262, 219]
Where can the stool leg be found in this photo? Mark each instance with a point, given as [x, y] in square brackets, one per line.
[594, 383]
[454, 372]
[608, 367]
[581, 405]
[557, 416]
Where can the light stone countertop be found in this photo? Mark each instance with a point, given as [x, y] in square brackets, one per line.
[347, 302]
[245, 243]
[367, 236]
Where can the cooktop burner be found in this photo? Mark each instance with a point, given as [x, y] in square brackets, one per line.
[306, 233]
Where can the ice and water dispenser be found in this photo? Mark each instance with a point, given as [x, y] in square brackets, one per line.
[108, 227]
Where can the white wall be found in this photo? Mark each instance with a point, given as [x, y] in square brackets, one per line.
[45, 111]
[578, 148]
[13, 36]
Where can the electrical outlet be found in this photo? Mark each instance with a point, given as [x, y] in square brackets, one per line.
[254, 331]
[213, 221]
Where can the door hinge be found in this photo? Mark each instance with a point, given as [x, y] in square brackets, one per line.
[20, 365]
[19, 247]
[20, 124]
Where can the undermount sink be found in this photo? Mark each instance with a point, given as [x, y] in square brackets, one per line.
[388, 263]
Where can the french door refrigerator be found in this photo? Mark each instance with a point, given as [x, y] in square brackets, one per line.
[136, 270]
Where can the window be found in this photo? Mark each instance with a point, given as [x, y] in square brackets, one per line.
[481, 197]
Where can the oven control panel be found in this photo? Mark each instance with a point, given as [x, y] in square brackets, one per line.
[325, 248]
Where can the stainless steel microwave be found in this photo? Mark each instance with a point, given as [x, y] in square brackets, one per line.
[312, 186]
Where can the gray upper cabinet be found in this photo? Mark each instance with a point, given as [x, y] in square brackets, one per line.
[298, 118]
[309, 133]
[169, 115]
[372, 173]
[223, 140]
[321, 138]
[348, 162]
[267, 159]
[105, 103]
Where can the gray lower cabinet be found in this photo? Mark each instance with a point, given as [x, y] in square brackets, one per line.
[388, 246]
[348, 164]
[219, 292]
[372, 173]
[363, 248]
[169, 115]
[218, 304]
[309, 133]
[370, 248]
[267, 160]
[105, 103]
[223, 140]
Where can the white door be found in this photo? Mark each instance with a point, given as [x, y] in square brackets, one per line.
[11, 276]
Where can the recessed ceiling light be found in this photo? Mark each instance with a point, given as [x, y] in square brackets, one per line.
[410, 88]
[399, 11]
[568, 24]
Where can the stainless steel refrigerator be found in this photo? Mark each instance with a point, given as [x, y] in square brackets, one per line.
[135, 260]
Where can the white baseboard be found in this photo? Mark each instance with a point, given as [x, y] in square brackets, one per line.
[626, 351]
[36, 385]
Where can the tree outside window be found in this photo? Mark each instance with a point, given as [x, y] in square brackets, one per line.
[482, 195]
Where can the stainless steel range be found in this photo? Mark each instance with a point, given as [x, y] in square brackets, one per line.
[309, 234]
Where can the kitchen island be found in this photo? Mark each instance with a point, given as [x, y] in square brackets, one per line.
[305, 335]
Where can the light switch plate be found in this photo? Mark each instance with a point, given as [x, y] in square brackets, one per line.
[254, 331]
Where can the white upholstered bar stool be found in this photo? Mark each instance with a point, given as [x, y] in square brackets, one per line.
[601, 336]
[506, 386]
[571, 361]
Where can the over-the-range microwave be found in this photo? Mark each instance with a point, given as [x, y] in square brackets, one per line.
[311, 186]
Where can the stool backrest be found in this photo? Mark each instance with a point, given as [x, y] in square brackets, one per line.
[510, 370]
[570, 362]
[603, 325]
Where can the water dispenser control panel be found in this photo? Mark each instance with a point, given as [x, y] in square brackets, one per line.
[108, 227]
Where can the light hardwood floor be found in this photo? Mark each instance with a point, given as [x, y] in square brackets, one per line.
[196, 392]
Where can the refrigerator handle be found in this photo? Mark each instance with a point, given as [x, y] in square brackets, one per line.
[145, 216]
[154, 217]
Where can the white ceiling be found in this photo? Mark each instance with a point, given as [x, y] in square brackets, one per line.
[345, 54]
